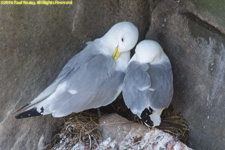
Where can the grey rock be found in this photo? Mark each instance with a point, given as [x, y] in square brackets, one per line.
[194, 39]
[117, 128]
[119, 133]
[36, 42]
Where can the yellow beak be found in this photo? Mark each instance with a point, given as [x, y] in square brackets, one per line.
[116, 54]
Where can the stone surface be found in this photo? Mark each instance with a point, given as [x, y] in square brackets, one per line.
[36, 41]
[192, 34]
[119, 133]
[209, 11]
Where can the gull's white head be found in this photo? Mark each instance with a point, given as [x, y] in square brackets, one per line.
[123, 35]
[148, 51]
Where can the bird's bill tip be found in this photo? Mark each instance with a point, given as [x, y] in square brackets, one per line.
[116, 54]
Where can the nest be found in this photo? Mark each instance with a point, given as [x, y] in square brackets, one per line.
[78, 128]
[172, 122]
[83, 127]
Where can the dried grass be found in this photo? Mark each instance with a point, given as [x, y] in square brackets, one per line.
[80, 128]
[83, 127]
[172, 122]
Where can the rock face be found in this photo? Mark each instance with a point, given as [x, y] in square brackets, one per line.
[36, 42]
[119, 133]
[192, 33]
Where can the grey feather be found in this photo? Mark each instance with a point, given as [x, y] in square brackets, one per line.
[147, 86]
[91, 78]
[101, 73]
[71, 65]
[162, 82]
[78, 59]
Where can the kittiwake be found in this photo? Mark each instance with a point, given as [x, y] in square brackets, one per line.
[91, 79]
[148, 83]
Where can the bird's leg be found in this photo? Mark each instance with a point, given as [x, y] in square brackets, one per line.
[99, 112]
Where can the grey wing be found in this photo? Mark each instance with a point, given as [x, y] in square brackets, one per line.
[96, 83]
[72, 64]
[162, 84]
[110, 89]
[136, 81]
[77, 60]
[147, 86]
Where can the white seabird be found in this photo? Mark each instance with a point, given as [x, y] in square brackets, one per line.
[148, 83]
[92, 78]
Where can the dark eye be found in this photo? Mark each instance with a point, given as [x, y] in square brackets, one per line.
[122, 39]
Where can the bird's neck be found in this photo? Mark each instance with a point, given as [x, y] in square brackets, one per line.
[161, 59]
[103, 48]
[122, 61]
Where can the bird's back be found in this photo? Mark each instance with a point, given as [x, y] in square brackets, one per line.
[147, 86]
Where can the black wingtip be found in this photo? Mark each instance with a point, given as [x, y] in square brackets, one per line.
[29, 113]
[145, 117]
